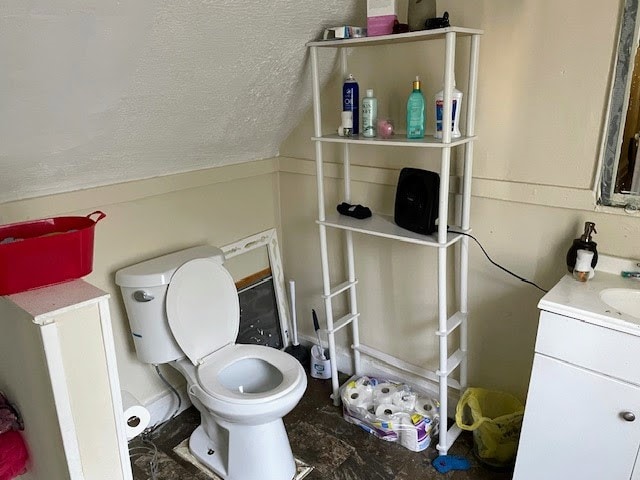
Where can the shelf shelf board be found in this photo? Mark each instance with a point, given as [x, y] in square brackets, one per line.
[405, 366]
[396, 141]
[384, 226]
[396, 38]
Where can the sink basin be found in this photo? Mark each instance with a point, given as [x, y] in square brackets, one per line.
[624, 300]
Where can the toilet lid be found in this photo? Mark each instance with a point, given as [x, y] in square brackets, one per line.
[202, 308]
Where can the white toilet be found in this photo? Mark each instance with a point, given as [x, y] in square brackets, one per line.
[183, 310]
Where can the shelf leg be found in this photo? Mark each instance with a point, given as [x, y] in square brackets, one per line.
[443, 347]
[326, 285]
[353, 302]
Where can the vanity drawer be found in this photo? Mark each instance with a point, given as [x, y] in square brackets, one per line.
[597, 348]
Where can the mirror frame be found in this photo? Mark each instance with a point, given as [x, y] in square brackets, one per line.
[269, 239]
[617, 110]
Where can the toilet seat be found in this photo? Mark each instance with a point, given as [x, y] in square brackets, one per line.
[208, 373]
[203, 309]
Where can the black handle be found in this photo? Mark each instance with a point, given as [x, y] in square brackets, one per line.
[316, 325]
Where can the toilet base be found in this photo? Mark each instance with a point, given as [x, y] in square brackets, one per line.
[255, 452]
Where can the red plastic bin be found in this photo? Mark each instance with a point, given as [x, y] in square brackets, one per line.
[45, 252]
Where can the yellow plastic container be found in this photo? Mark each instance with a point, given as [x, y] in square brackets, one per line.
[496, 420]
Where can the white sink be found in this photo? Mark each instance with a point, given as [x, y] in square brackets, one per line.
[624, 300]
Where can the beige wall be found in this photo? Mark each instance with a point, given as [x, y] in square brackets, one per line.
[543, 84]
[152, 217]
[543, 88]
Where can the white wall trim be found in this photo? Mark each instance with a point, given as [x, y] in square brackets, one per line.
[114, 385]
[55, 366]
[92, 198]
[164, 405]
[504, 190]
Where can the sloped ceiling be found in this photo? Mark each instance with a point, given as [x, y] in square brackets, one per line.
[103, 91]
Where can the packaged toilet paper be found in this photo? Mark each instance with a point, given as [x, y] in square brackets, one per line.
[383, 393]
[360, 396]
[392, 411]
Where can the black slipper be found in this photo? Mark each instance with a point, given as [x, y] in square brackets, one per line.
[355, 211]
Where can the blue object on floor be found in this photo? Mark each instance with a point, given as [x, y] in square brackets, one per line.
[445, 463]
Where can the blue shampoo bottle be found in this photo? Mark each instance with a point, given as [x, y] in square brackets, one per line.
[351, 101]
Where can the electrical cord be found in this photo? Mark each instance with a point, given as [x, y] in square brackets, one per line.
[148, 447]
[498, 265]
[160, 425]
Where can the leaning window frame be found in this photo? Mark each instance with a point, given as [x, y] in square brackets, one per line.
[617, 110]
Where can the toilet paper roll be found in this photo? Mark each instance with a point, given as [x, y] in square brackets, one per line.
[427, 407]
[405, 399]
[359, 397]
[136, 417]
[407, 432]
[383, 394]
[385, 411]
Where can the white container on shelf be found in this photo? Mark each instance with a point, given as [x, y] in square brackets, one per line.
[455, 112]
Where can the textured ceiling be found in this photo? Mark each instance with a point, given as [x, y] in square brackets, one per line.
[103, 91]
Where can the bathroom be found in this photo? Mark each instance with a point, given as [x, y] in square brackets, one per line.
[154, 114]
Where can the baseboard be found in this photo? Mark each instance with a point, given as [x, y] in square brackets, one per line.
[162, 408]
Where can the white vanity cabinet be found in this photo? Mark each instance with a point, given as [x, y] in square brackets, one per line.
[58, 366]
[582, 415]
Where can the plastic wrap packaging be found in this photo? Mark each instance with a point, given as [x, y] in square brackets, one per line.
[392, 411]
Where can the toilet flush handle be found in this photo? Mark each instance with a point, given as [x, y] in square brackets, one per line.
[142, 296]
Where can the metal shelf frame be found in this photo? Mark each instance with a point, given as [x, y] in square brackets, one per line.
[383, 226]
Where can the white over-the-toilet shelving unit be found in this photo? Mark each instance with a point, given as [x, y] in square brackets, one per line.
[383, 226]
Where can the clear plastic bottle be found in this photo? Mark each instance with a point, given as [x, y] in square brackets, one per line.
[369, 114]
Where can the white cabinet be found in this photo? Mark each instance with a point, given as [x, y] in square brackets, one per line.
[582, 416]
[449, 323]
[59, 368]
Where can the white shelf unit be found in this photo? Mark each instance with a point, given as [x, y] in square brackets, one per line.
[383, 226]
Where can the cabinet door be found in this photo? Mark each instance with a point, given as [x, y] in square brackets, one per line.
[636, 470]
[574, 427]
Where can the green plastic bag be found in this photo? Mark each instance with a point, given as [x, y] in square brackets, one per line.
[495, 419]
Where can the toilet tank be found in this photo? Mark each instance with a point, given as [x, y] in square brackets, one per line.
[144, 290]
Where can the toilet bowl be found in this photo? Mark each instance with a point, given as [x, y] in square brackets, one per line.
[183, 310]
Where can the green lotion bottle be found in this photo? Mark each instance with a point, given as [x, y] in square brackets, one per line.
[415, 112]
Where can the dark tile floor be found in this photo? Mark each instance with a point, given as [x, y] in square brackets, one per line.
[320, 437]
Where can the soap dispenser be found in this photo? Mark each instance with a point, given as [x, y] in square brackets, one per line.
[583, 271]
[585, 242]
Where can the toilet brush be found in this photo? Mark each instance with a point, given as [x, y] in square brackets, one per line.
[316, 327]
[299, 352]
